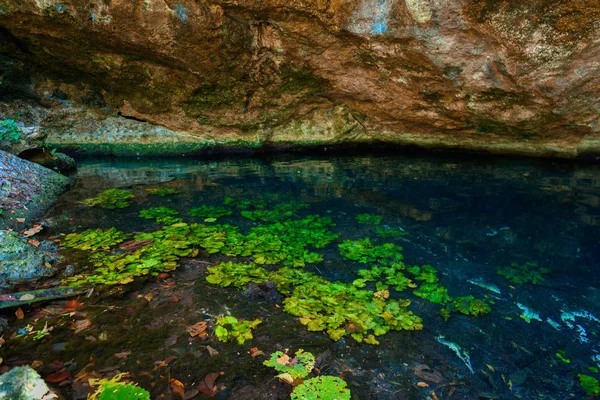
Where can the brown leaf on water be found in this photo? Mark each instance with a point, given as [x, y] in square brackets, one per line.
[19, 313]
[36, 364]
[164, 363]
[81, 325]
[198, 329]
[171, 341]
[208, 386]
[177, 387]
[422, 384]
[212, 352]
[32, 242]
[32, 231]
[123, 355]
[20, 219]
[58, 377]
[283, 360]
[135, 244]
[255, 352]
[175, 299]
[191, 393]
[424, 372]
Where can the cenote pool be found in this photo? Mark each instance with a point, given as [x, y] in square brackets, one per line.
[409, 277]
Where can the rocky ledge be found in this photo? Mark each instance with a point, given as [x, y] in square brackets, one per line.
[136, 76]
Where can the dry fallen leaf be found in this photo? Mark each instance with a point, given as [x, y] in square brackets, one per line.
[32, 231]
[36, 364]
[177, 387]
[81, 325]
[19, 313]
[197, 329]
[123, 354]
[422, 384]
[191, 393]
[32, 242]
[212, 352]
[58, 377]
[20, 219]
[135, 245]
[283, 360]
[255, 352]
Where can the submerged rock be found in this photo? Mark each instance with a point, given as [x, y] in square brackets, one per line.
[22, 262]
[266, 291]
[24, 383]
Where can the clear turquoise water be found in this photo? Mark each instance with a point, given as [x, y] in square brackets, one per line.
[465, 217]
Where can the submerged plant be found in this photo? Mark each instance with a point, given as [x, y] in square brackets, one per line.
[279, 212]
[590, 385]
[297, 367]
[321, 388]
[116, 388]
[205, 211]
[521, 274]
[387, 232]
[111, 199]
[93, 239]
[157, 212]
[162, 191]
[229, 328]
[368, 219]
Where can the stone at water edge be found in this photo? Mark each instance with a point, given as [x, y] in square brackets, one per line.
[22, 262]
[27, 191]
[24, 383]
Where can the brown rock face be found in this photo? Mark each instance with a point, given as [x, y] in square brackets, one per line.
[490, 75]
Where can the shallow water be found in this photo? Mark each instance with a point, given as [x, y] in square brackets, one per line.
[466, 218]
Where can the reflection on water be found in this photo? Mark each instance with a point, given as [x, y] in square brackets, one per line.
[466, 218]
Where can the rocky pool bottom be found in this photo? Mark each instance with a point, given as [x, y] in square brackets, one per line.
[406, 277]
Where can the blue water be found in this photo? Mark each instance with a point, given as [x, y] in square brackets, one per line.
[465, 217]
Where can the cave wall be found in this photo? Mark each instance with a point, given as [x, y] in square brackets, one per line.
[486, 75]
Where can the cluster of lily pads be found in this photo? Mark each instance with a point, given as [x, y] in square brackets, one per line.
[362, 309]
[229, 328]
[117, 387]
[111, 199]
[337, 308]
[94, 239]
[293, 370]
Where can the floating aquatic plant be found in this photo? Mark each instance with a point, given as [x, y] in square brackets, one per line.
[160, 252]
[205, 211]
[297, 367]
[229, 328]
[368, 219]
[93, 239]
[162, 191]
[239, 275]
[111, 199]
[321, 387]
[116, 388]
[366, 252]
[338, 308]
[521, 274]
[387, 232]
[590, 385]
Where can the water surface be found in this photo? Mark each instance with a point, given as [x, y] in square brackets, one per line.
[464, 217]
